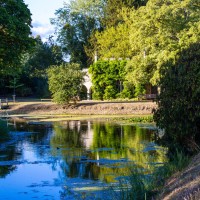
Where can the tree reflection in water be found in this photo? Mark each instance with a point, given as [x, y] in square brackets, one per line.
[72, 154]
[99, 150]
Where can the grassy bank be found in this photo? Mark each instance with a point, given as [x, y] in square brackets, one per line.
[141, 186]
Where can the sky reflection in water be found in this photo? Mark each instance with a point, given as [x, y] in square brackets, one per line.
[62, 160]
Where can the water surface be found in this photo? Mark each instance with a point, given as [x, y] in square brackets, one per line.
[71, 159]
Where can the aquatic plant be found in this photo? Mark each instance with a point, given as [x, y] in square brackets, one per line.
[142, 185]
[143, 119]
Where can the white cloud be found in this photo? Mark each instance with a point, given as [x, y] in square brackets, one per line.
[42, 29]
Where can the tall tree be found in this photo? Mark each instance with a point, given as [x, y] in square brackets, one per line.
[15, 24]
[113, 10]
[42, 56]
[36, 62]
[158, 32]
[75, 23]
[113, 40]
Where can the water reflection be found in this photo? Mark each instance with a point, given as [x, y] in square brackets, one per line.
[72, 154]
[100, 150]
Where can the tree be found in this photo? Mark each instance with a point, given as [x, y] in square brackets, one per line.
[113, 10]
[15, 24]
[42, 56]
[34, 65]
[178, 110]
[94, 9]
[113, 42]
[151, 36]
[158, 32]
[113, 39]
[65, 82]
[74, 26]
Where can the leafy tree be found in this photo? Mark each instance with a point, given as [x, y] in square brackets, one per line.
[15, 24]
[41, 57]
[151, 35]
[74, 26]
[35, 63]
[14, 84]
[113, 42]
[178, 110]
[94, 9]
[113, 10]
[107, 78]
[158, 32]
[65, 82]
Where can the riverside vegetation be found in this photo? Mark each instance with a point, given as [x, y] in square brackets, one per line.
[128, 187]
[139, 44]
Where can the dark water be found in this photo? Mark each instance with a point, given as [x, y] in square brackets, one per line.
[71, 159]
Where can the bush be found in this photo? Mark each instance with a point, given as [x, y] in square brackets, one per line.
[65, 82]
[178, 110]
[110, 93]
[108, 78]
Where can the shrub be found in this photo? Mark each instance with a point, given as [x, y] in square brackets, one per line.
[178, 110]
[65, 82]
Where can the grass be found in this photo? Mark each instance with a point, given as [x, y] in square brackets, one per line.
[138, 186]
[142, 119]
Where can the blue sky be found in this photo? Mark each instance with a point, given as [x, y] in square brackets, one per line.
[42, 11]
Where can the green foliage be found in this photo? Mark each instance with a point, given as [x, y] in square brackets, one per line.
[75, 25]
[34, 65]
[131, 187]
[91, 8]
[14, 84]
[151, 35]
[127, 92]
[15, 24]
[178, 110]
[177, 162]
[138, 185]
[42, 56]
[65, 82]
[145, 119]
[107, 78]
[139, 90]
[109, 92]
[3, 131]
[113, 10]
[158, 32]
[113, 42]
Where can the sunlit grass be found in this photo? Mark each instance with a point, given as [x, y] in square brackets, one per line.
[138, 185]
[61, 117]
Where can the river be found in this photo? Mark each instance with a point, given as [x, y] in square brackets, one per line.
[72, 159]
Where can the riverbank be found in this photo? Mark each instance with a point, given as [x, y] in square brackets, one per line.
[81, 108]
[182, 185]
